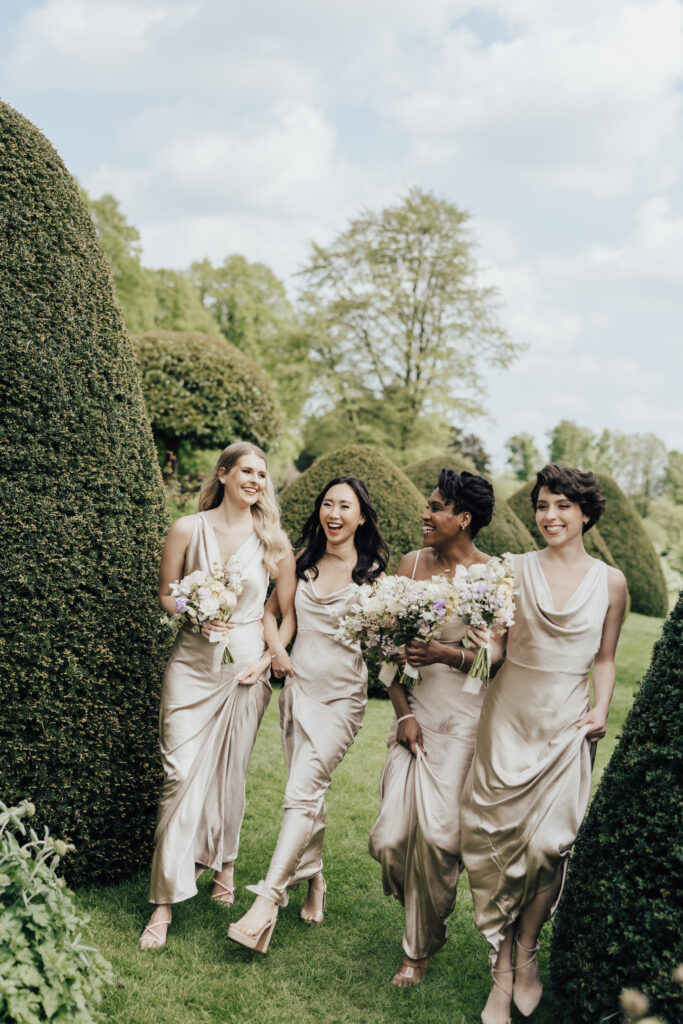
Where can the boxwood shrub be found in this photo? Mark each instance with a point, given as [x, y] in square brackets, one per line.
[620, 923]
[205, 392]
[504, 533]
[83, 519]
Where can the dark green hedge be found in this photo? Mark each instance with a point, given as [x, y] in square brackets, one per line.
[504, 533]
[397, 501]
[204, 391]
[622, 540]
[83, 518]
[620, 921]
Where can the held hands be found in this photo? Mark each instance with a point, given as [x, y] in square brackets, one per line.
[409, 735]
[253, 674]
[596, 719]
[214, 626]
[281, 664]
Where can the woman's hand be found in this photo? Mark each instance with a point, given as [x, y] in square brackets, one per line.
[281, 664]
[424, 652]
[409, 735]
[477, 636]
[596, 719]
[214, 626]
[253, 674]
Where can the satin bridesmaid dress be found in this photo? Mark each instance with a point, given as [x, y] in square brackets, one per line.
[529, 787]
[416, 837]
[207, 726]
[321, 710]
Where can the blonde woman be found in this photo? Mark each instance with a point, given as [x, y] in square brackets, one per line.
[209, 718]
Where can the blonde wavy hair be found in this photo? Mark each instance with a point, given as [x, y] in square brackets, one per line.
[265, 511]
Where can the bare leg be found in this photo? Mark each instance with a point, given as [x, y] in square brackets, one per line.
[223, 890]
[314, 904]
[528, 986]
[497, 1009]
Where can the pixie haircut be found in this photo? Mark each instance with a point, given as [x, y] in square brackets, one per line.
[467, 492]
[583, 488]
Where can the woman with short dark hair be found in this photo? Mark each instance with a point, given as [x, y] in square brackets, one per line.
[528, 790]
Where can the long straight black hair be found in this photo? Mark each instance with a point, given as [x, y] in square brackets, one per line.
[371, 550]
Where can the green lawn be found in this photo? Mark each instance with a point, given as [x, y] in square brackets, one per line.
[340, 971]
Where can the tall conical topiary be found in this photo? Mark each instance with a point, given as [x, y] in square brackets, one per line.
[620, 921]
[83, 517]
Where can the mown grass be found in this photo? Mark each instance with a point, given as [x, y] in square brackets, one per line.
[339, 972]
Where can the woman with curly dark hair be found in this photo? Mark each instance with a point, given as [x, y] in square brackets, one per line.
[323, 700]
[528, 790]
[416, 837]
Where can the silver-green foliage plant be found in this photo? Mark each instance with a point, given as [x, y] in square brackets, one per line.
[48, 969]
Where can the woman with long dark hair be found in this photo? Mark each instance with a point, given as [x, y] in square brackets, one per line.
[209, 716]
[323, 700]
[529, 786]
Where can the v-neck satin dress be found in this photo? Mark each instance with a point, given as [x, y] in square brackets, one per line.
[528, 790]
[416, 837]
[207, 728]
[321, 710]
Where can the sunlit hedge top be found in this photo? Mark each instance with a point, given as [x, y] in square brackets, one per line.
[83, 519]
[205, 391]
[396, 499]
[504, 533]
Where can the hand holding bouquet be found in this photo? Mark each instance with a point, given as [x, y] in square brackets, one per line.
[486, 600]
[394, 611]
[205, 596]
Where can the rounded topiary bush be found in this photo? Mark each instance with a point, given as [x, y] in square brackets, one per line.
[619, 923]
[504, 533]
[622, 541]
[397, 501]
[205, 392]
[83, 519]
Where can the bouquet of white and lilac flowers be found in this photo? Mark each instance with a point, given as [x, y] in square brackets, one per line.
[486, 600]
[203, 596]
[394, 611]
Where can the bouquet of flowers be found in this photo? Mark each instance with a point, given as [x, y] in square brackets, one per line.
[395, 610]
[202, 596]
[486, 600]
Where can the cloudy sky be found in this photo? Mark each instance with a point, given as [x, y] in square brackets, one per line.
[257, 126]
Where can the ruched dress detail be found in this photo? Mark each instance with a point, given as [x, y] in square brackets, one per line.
[529, 787]
[207, 728]
[321, 710]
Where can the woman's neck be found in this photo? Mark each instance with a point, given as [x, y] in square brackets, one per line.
[457, 552]
[233, 516]
[566, 554]
[346, 552]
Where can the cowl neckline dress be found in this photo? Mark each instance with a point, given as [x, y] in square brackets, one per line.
[207, 728]
[416, 837]
[529, 787]
[321, 710]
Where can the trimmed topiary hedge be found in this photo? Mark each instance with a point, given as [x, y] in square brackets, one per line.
[83, 518]
[398, 504]
[620, 923]
[628, 546]
[504, 533]
[204, 391]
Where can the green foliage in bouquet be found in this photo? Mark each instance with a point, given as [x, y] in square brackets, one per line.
[396, 499]
[83, 519]
[48, 969]
[205, 392]
[619, 922]
[504, 533]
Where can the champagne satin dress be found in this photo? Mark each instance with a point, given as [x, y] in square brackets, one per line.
[321, 710]
[416, 837]
[207, 726]
[529, 787]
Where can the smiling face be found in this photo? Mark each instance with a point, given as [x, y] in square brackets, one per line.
[245, 481]
[440, 524]
[558, 518]
[340, 514]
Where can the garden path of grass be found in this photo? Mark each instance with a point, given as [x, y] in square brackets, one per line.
[339, 972]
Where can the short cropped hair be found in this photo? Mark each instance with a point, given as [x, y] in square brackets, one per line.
[468, 492]
[577, 485]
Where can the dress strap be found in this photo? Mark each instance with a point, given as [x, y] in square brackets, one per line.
[417, 558]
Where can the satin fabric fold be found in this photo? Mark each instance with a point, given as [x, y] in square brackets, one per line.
[416, 837]
[321, 711]
[207, 728]
[529, 787]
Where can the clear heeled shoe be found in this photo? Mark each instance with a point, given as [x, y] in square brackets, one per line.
[489, 1018]
[527, 998]
[315, 916]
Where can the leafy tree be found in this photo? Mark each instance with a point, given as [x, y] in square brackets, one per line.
[673, 477]
[524, 459]
[472, 448]
[395, 308]
[638, 462]
[571, 445]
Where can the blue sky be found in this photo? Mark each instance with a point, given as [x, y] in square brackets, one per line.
[225, 127]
